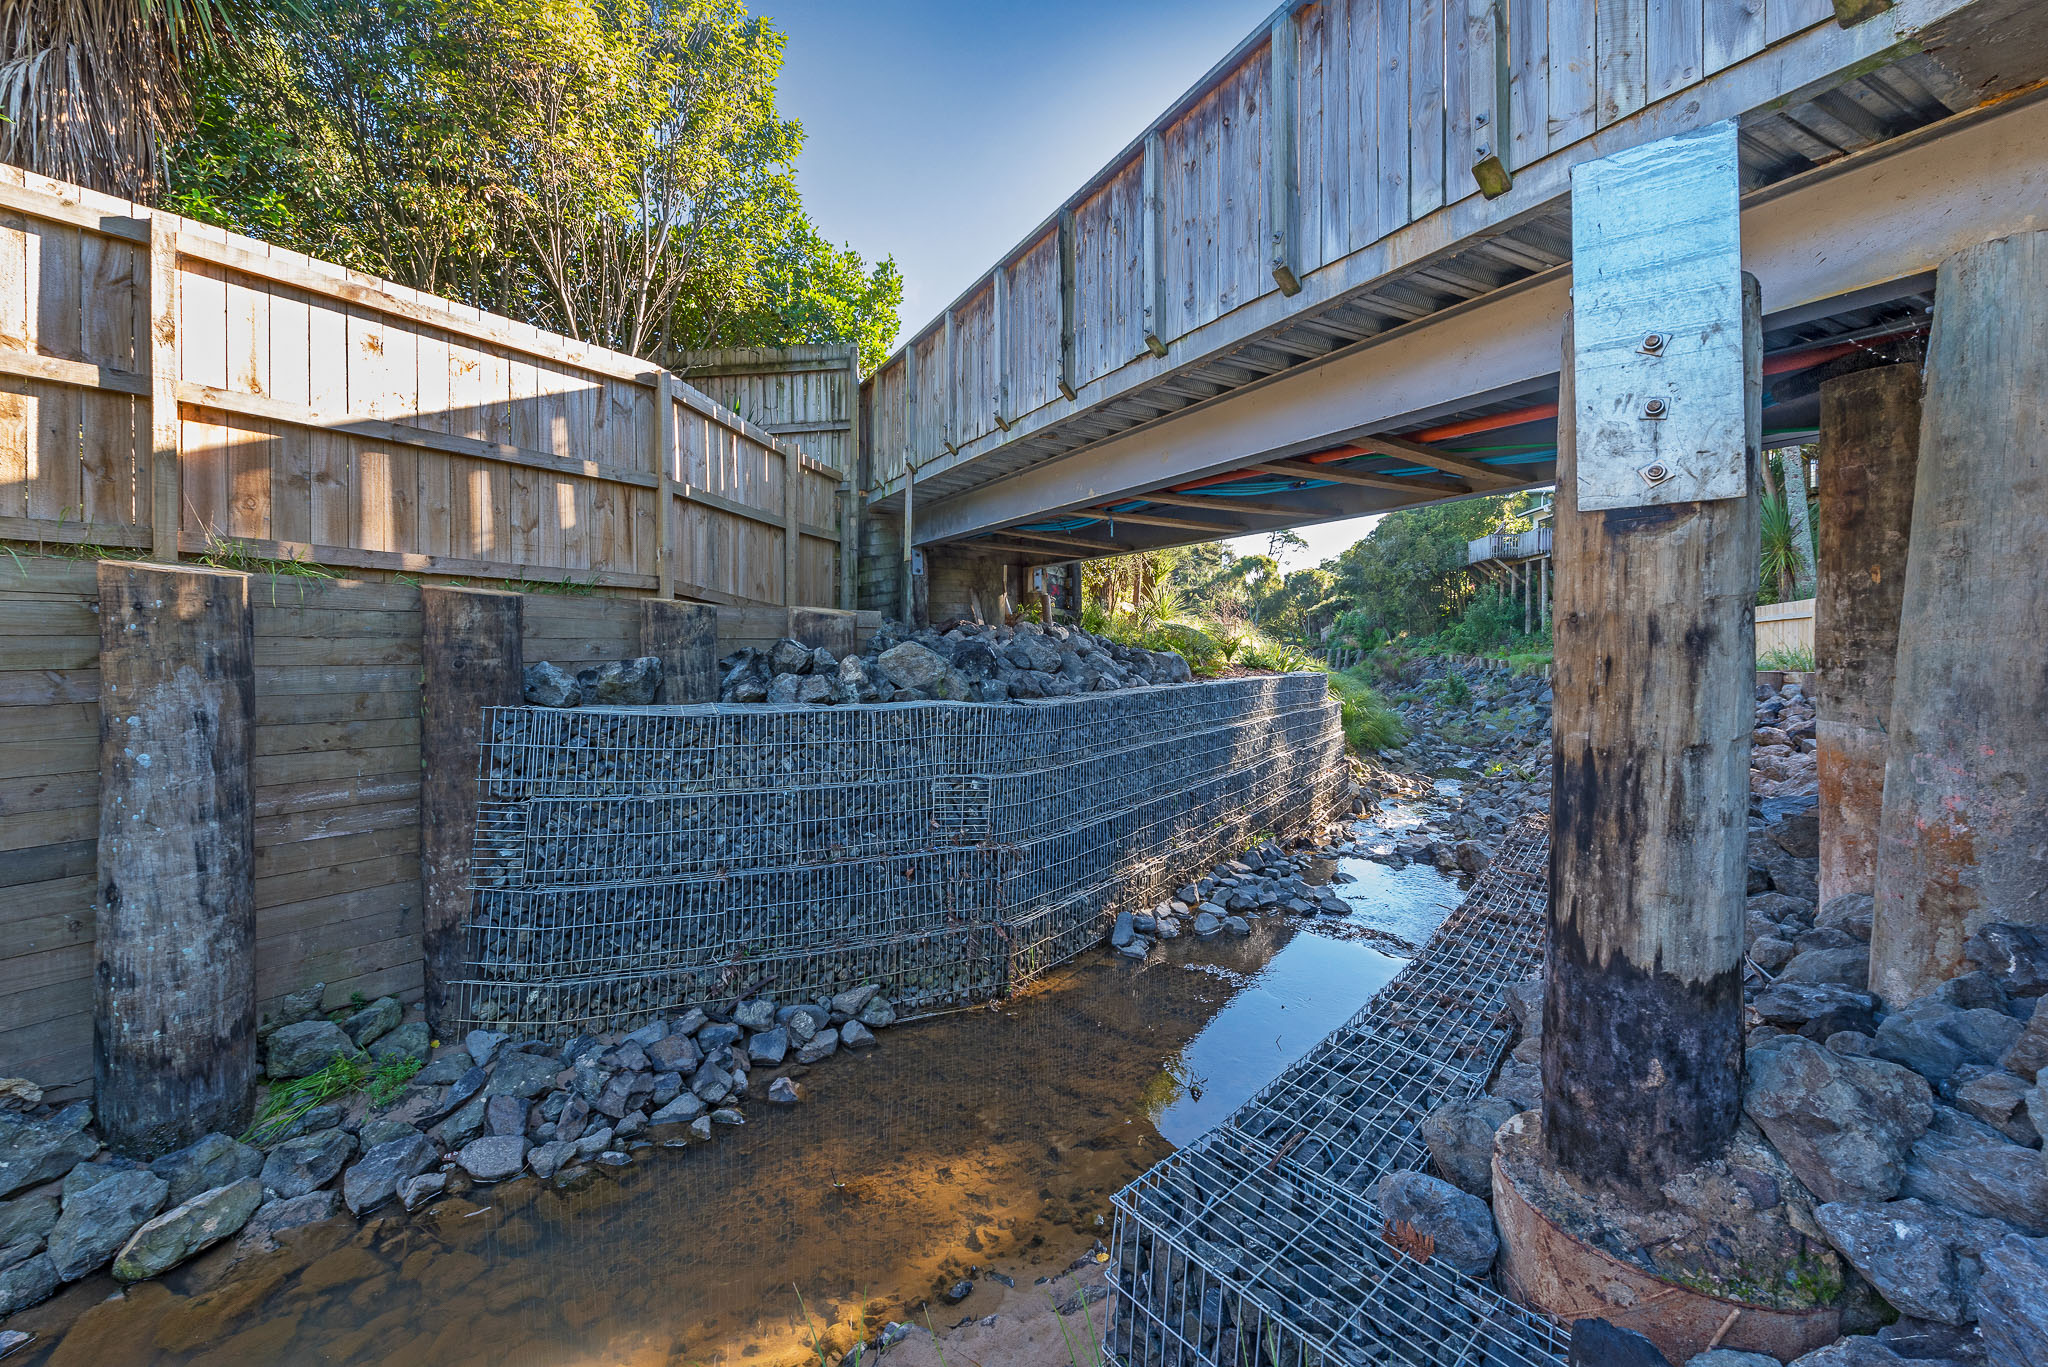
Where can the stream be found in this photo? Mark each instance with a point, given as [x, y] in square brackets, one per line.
[988, 1141]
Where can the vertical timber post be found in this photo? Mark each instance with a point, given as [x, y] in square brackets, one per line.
[1152, 247]
[664, 461]
[1283, 176]
[684, 637]
[1963, 839]
[1870, 448]
[1659, 433]
[166, 498]
[471, 658]
[174, 990]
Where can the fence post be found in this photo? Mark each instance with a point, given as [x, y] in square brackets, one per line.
[684, 637]
[174, 996]
[470, 658]
[792, 476]
[665, 486]
[166, 498]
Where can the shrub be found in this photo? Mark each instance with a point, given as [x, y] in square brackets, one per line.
[1368, 723]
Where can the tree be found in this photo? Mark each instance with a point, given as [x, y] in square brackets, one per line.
[95, 90]
[1409, 574]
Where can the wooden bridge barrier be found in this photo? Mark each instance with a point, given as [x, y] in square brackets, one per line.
[166, 386]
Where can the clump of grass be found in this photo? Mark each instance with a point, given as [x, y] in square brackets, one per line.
[1454, 690]
[1792, 659]
[380, 1081]
[1369, 724]
[227, 553]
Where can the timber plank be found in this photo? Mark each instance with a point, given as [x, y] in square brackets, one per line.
[65, 616]
[290, 709]
[353, 736]
[53, 652]
[52, 826]
[329, 794]
[49, 792]
[270, 770]
[53, 721]
[41, 687]
[312, 884]
[322, 824]
[28, 759]
[301, 680]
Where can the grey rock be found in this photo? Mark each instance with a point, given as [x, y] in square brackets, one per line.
[1843, 1124]
[444, 1070]
[415, 1192]
[1459, 1223]
[2017, 955]
[505, 1115]
[374, 1021]
[700, 1128]
[1597, 1343]
[1999, 1099]
[188, 1228]
[1934, 1039]
[86, 1176]
[212, 1160]
[2012, 1302]
[1858, 1352]
[754, 1015]
[483, 1046]
[545, 1160]
[522, 1075]
[301, 1005]
[297, 1050]
[686, 1107]
[782, 1092]
[411, 1040]
[646, 1035]
[466, 1124]
[374, 1177]
[1918, 1340]
[769, 1047]
[27, 1282]
[1236, 926]
[494, 1157]
[782, 692]
[911, 665]
[819, 1047]
[273, 1218]
[1848, 968]
[383, 1130]
[789, 656]
[690, 1022]
[549, 685]
[1460, 1138]
[1797, 835]
[1816, 1010]
[1922, 1259]
[717, 1035]
[29, 1217]
[1121, 932]
[878, 1013]
[98, 1220]
[726, 1115]
[854, 1035]
[1850, 912]
[622, 683]
[1965, 1165]
[1770, 952]
[1207, 925]
[306, 1164]
[2029, 1053]
[801, 1022]
[1729, 1357]
[677, 1053]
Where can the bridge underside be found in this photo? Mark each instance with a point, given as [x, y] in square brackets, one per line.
[1439, 380]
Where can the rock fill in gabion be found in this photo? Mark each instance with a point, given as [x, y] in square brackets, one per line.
[632, 861]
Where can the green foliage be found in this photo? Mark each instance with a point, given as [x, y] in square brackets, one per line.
[1369, 724]
[1777, 551]
[1454, 690]
[1789, 658]
[1409, 575]
[616, 170]
[381, 1081]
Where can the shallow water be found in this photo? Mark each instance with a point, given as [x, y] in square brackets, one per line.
[992, 1138]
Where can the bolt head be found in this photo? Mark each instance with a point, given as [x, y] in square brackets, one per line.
[1653, 342]
[1654, 408]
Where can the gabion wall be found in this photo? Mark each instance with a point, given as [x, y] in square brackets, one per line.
[632, 861]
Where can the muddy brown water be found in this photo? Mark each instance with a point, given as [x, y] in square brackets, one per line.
[987, 1140]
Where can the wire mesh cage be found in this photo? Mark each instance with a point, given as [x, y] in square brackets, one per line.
[630, 861]
[1260, 1244]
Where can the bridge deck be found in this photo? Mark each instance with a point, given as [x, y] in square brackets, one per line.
[1237, 260]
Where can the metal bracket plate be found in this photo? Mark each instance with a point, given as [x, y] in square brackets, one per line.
[1657, 323]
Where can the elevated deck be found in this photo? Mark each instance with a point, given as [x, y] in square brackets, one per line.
[1330, 279]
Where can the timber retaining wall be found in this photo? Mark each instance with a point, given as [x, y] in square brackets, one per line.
[634, 861]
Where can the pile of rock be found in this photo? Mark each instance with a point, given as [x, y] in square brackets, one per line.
[1263, 881]
[967, 662]
[1910, 1140]
[1781, 756]
[488, 1110]
[617, 683]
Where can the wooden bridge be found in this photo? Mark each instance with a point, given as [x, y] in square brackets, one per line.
[1330, 278]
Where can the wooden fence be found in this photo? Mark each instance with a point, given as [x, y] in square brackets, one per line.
[335, 780]
[1784, 626]
[165, 385]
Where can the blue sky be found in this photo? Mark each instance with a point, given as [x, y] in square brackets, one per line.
[941, 133]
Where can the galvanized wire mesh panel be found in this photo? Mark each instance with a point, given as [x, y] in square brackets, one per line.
[633, 860]
[1259, 1244]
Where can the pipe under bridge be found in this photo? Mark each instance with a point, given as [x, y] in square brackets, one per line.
[1330, 279]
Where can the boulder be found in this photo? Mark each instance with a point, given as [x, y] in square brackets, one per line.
[27, 1282]
[1848, 968]
[1816, 1010]
[1843, 1124]
[494, 1157]
[878, 1013]
[408, 1041]
[782, 1092]
[298, 1050]
[913, 666]
[1965, 1165]
[789, 656]
[2017, 955]
[521, 1075]
[1597, 1343]
[306, 1164]
[273, 1218]
[27, 1219]
[1934, 1038]
[621, 683]
[1999, 1099]
[1460, 1138]
[757, 1014]
[1923, 1260]
[1859, 1352]
[850, 1003]
[819, 1047]
[35, 1151]
[769, 1047]
[415, 1192]
[2028, 1054]
[1849, 913]
[1460, 1224]
[188, 1228]
[98, 1219]
[686, 1107]
[548, 685]
[374, 1178]
[2012, 1302]
[374, 1021]
[675, 1054]
[854, 1035]
[212, 1160]
[483, 1045]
